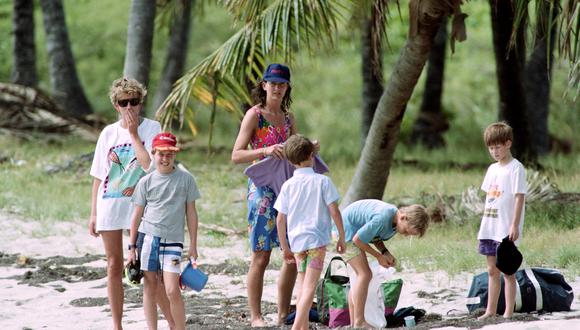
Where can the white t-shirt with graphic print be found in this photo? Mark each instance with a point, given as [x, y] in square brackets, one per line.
[501, 184]
[115, 164]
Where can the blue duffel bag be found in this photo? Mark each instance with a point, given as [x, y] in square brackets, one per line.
[539, 289]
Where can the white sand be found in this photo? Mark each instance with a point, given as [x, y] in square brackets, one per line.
[45, 307]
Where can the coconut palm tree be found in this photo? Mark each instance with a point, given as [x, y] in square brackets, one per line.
[370, 178]
[24, 49]
[431, 122]
[140, 40]
[66, 86]
[537, 73]
[179, 31]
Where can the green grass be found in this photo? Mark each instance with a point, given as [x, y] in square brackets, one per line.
[65, 196]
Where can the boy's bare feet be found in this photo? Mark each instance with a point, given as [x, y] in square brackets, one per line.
[363, 325]
[508, 315]
[258, 323]
[282, 320]
[485, 316]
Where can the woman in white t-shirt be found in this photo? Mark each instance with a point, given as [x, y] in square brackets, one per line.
[122, 152]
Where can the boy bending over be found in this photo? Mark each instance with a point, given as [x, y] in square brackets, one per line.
[373, 221]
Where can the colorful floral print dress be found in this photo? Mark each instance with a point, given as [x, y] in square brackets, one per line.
[261, 212]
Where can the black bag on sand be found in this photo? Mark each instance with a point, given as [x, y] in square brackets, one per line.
[540, 289]
[397, 319]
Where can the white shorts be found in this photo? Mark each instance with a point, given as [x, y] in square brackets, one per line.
[159, 255]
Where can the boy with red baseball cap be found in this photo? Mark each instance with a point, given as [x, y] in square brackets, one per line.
[163, 199]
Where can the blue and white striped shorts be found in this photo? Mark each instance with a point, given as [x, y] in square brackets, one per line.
[157, 254]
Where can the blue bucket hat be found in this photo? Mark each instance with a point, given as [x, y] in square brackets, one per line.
[277, 73]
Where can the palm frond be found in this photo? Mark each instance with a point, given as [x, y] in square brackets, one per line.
[244, 10]
[167, 10]
[570, 30]
[279, 29]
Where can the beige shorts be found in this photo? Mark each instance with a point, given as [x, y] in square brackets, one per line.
[351, 250]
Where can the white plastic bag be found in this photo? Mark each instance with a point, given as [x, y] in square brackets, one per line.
[375, 305]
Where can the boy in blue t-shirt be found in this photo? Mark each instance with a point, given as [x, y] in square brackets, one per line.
[305, 205]
[373, 221]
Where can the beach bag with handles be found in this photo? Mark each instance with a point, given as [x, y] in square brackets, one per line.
[332, 296]
[538, 289]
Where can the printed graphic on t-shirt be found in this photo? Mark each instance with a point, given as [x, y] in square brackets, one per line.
[493, 195]
[124, 174]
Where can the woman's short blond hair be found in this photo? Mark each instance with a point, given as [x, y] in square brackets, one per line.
[417, 218]
[126, 85]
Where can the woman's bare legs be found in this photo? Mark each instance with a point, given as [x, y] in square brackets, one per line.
[113, 242]
[286, 283]
[255, 282]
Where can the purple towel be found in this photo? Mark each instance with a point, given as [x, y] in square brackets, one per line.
[273, 172]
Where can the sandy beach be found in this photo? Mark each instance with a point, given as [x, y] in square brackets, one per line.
[53, 277]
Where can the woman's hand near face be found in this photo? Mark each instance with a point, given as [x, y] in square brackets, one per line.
[131, 118]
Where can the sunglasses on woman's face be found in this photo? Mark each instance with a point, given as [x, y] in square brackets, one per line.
[133, 102]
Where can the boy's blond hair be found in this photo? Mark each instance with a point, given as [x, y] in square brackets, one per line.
[126, 85]
[417, 218]
[298, 149]
[498, 133]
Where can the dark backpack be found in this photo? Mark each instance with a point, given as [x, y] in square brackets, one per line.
[541, 289]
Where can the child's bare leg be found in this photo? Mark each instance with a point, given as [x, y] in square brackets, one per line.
[113, 241]
[493, 289]
[309, 281]
[171, 281]
[163, 303]
[299, 285]
[285, 287]
[510, 295]
[351, 303]
[149, 296]
[361, 288]
[255, 280]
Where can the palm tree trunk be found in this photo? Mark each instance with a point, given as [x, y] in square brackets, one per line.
[66, 87]
[370, 178]
[24, 50]
[537, 77]
[431, 122]
[176, 52]
[372, 78]
[140, 40]
[509, 67]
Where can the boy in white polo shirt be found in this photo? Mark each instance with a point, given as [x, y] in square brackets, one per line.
[305, 205]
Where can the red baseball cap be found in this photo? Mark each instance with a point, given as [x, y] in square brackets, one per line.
[165, 141]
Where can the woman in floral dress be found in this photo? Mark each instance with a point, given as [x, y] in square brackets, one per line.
[265, 127]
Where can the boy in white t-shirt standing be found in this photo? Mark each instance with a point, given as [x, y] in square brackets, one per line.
[163, 200]
[505, 186]
[305, 205]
